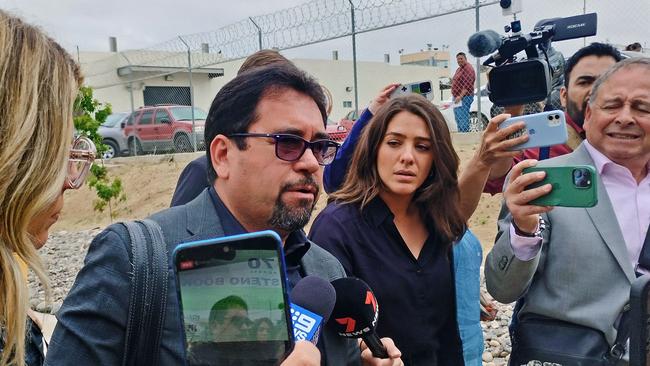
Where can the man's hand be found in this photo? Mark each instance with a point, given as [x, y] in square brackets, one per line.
[493, 150]
[457, 100]
[524, 215]
[304, 354]
[393, 359]
[382, 98]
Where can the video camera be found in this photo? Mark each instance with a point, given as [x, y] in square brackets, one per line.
[515, 81]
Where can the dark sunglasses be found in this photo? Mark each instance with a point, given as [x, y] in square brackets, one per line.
[291, 147]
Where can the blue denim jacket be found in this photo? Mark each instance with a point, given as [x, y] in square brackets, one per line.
[468, 256]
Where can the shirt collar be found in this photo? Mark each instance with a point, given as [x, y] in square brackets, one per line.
[601, 160]
[295, 246]
[377, 212]
[229, 223]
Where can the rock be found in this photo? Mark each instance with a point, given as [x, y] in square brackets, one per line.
[487, 357]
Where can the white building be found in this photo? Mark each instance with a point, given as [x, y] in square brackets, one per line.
[129, 82]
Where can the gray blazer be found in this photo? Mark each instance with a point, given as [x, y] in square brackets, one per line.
[582, 274]
[92, 321]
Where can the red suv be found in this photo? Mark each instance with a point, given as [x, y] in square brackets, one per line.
[164, 127]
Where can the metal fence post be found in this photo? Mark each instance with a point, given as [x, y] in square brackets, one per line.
[259, 32]
[189, 68]
[354, 58]
[479, 116]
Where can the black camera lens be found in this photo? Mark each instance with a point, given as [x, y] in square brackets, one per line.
[425, 88]
[557, 116]
[550, 118]
[581, 178]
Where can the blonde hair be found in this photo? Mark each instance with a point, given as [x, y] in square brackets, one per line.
[38, 85]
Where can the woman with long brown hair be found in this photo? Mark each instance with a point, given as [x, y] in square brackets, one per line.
[393, 223]
[38, 85]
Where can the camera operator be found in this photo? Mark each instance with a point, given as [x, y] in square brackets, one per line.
[581, 71]
[576, 265]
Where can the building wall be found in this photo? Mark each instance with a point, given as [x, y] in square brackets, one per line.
[336, 75]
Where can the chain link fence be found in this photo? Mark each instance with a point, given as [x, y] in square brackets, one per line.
[184, 73]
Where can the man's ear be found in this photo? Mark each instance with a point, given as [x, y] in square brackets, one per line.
[219, 154]
[588, 113]
[563, 96]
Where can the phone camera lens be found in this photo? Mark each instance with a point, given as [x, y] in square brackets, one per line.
[557, 116]
[581, 178]
[550, 118]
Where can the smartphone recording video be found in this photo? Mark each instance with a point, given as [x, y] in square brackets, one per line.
[423, 88]
[233, 300]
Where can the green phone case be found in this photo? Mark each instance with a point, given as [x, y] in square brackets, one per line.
[565, 192]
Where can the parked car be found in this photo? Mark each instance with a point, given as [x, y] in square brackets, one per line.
[348, 121]
[112, 135]
[337, 132]
[475, 124]
[164, 128]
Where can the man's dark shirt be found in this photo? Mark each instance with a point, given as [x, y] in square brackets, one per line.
[415, 295]
[192, 181]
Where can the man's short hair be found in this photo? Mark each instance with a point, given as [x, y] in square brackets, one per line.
[461, 54]
[627, 63]
[218, 310]
[262, 58]
[234, 108]
[594, 49]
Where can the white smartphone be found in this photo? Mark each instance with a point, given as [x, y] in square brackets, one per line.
[423, 88]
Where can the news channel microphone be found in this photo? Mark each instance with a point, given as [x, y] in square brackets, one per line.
[355, 313]
[311, 304]
[483, 43]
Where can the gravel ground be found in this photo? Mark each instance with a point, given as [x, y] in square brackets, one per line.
[65, 251]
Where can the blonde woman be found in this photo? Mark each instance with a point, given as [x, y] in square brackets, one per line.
[38, 84]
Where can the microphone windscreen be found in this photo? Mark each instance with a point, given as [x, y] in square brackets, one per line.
[484, 43]
[356, 310]
[314, 294]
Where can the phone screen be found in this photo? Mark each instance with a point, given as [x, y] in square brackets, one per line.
[234, 304]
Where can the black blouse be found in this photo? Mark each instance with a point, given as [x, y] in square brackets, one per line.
[416, 297]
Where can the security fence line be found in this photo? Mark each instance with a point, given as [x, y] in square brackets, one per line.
[180, 61]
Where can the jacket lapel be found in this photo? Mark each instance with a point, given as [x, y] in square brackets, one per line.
[604, 220]
[202, 219]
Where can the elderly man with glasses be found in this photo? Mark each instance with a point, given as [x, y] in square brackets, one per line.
[266, 149]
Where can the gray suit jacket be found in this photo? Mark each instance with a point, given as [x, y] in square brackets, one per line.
[582, 274]
[92, 321]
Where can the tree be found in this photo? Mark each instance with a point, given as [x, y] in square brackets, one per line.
[88, 116]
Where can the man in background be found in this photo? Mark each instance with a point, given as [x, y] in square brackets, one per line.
[462, 90]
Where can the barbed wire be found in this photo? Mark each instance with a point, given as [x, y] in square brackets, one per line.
[312, 22]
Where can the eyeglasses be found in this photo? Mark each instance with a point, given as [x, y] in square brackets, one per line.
[82, 155]
[291, 147]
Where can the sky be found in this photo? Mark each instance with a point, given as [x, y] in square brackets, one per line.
[87, 24]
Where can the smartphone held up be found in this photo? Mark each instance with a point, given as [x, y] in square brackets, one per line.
[424, 88]
[233, 298]
[572, 186]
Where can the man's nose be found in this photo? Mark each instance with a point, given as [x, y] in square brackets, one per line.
[308, 162]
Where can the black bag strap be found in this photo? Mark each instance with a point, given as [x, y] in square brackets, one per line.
[148, 296]
[644, 257]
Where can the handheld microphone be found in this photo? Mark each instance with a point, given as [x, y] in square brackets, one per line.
[312, 301]
[355, 313]
[484, 43]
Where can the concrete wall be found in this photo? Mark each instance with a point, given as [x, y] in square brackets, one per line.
[335, 75]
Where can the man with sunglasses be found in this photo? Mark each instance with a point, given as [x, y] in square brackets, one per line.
[266, 148]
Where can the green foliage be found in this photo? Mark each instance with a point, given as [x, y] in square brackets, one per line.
[89, 115]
